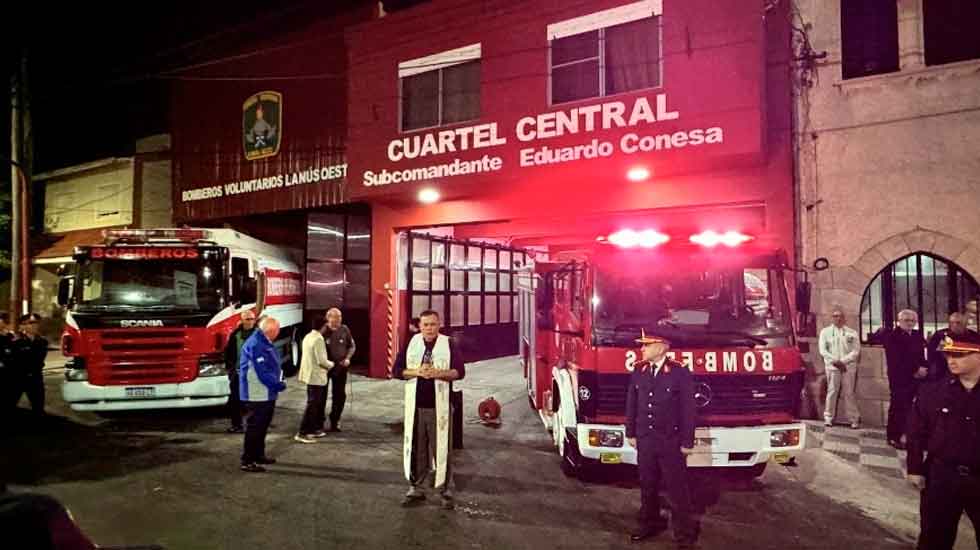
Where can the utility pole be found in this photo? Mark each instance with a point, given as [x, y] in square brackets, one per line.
[15, 188]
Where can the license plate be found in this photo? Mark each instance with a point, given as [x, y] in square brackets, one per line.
[610, 458]
[781, 458]
[141, 393]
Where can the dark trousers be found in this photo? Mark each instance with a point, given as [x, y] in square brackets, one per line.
[947, 495]
[33, 386]
[660, 460]
[898, 410]
[256, 427]
[338, 397]
[316, 405]
[235, 409]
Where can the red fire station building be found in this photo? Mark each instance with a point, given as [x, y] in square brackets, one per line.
[417, 159]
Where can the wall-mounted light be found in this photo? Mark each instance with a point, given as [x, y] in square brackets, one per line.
[638, 173]
[428, 196]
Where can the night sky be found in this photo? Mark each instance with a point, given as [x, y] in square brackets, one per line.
[95, 67]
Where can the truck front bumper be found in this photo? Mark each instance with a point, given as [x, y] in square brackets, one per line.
[714, 447]
[207, 391]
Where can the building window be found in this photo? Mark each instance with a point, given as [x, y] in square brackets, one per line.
[606, 53]
[869, 37]
[927, 284]
[951, 30]
[440, 89]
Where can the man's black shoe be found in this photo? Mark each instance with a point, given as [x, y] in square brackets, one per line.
[334, 428]
[252, 468]
[265, 460]
[647, 532]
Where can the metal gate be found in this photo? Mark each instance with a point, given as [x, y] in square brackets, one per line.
[471, 284]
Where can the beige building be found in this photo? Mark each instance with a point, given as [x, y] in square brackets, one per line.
[888, 122]
[80, 201]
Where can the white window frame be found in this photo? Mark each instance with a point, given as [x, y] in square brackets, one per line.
[600, 21]
[434, 62]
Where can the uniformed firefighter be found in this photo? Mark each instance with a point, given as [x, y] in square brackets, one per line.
[660, 425]
[944, 447]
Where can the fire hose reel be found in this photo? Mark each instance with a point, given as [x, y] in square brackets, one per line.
[489, 411]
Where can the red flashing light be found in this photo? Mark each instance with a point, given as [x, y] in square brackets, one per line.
[638, 173]
[711, 238]
[628, 238]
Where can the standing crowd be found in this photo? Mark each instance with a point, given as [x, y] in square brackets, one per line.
[22, 354]
[933, 412]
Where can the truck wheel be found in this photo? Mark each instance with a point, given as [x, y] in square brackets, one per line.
[291, 357]
[749, 473]
[573, 464]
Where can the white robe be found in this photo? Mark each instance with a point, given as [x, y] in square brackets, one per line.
[440, 361]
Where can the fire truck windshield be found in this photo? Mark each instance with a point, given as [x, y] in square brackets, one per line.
[171, 284]
[740, 306]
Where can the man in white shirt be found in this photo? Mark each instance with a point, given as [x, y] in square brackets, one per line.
[840, 347]
[313, 368]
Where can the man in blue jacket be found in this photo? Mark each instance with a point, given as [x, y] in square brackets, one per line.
[260, 381]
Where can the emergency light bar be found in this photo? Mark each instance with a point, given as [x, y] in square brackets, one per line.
[145, 235]
[711, 239]
[628, 238]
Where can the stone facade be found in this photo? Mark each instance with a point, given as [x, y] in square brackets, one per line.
[887, 166]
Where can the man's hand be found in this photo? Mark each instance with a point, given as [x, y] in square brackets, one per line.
[922, 373]
[427, 372]
[918, 481]
[687, 451]
[345, 363]
[631, 441]
[282, 387]
[839, 364]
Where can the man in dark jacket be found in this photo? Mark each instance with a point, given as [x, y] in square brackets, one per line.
[905, 355]
[232, 352]
[340, 349]
[7, 377]
[30, 350]
[660, 425]
[938, 367]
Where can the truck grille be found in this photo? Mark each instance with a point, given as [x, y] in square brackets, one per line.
[720, 395]
[140, 356]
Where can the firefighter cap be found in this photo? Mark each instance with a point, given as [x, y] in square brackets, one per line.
[959, 347]
[644, 339]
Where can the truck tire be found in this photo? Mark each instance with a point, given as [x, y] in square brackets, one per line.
[573, 464]
[291, 356]
[748, 473]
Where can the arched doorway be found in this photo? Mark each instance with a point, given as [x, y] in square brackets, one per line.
[928, 284]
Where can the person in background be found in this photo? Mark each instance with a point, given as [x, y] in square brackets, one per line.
[260, 379]
[413, 327]
[944, 447]
[840, 348]
[938, 368]
[340, 350]
[232, 351]
[313, 371]
[30, 350]
[906, 361]
[7, 366]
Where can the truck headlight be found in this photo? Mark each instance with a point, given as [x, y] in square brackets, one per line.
[211, 366]
[784, 438]
[75, 370]
[605, 438]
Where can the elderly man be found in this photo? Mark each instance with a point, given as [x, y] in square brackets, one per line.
[232, 351]
[938, 368]
[260, 379]
[945, 426]
[840, 348]
[660, 425]
[429, 363]
[340, 349]
[906, 359]
[313, 371]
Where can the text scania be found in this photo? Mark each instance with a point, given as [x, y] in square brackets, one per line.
[140, 323]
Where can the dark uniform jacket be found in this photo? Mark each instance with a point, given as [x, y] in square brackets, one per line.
[661, 405]
[945, 422]
[905, 353]
[6, 354]
[29, 354]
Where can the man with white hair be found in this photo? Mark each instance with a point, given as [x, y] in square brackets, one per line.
[906, 360]
[840, 347]
[340, 351]
[957, 330]
[260, 376]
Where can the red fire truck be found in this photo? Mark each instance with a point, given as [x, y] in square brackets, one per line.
[721, 299]
[149, 313]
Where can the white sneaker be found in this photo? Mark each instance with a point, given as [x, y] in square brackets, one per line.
[303, 439]
[828, 423]
[855, 425]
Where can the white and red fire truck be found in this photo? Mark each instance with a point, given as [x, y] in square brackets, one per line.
[722, 301]
[149, 312]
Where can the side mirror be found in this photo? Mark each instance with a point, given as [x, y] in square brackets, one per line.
[64, 290]
[803, 298]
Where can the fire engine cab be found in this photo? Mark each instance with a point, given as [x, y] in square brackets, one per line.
[720, 298]
[149, 313]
